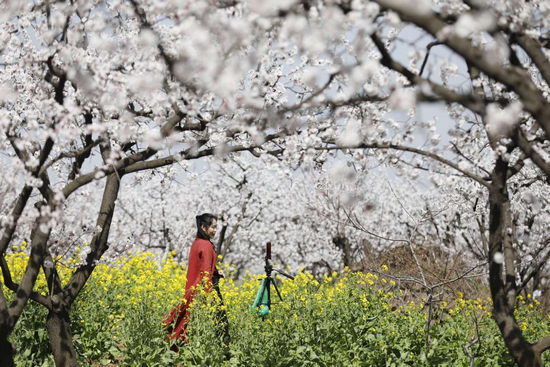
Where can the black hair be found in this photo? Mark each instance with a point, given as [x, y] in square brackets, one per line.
[206, 220]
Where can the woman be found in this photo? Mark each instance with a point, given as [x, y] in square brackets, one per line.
[202, 264]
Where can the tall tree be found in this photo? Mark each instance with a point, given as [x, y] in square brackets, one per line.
[148, 84]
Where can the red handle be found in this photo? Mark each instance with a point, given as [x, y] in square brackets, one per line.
[268, 251]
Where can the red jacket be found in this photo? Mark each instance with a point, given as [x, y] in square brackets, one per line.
[202, 263]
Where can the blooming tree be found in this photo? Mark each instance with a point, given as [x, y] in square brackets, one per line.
[98, 91]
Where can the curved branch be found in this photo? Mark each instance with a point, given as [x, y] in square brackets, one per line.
[11, 285]
[527, 147]
[483, 181]
[189, 154]
[516, 79]
[469, 101]
[542, 345]
[82, 180]
[21, 296]
[75, 154]
[534, 271]
[428, 49]
[16, 214]
[99, 241]
[532, 48]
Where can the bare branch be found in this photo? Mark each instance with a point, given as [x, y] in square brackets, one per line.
[407, 279]
[464, 275]
[536, 269]
[428, 49]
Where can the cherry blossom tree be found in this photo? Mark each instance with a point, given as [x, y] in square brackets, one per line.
[102, 90]
[512, 111]
[94, 90]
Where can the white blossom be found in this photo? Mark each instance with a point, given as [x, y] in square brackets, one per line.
[501, 122]
[469, 23]
[402, 99]
[498, 258]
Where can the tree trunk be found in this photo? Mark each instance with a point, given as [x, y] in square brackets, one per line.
[342, 243]
[6, 352]
[523, 352]
[59, 332]
[502, 279]
[58, 322]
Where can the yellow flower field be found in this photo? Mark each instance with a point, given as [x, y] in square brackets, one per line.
[351, 319]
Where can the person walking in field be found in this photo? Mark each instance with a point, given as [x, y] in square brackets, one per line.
[202, 264]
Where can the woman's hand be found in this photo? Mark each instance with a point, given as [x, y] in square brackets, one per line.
[221, 274]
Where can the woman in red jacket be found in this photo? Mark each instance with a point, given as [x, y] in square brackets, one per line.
[202, 264]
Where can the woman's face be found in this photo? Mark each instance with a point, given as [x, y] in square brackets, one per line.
[211, 230]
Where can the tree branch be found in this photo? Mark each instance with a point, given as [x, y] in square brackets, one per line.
[462, 276]
[38, 247]
[542, 345]
[82, 180]
[9, 230]
[483, 181]
[469, 101]
[60, 84]
[428, 49]
[543, 262]
[527, 148]
[88, 141]
[99, 242]
[532, 48]
[516, 79]
[11, 285]
[84, 152]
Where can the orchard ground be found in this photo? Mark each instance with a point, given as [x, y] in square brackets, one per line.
[345, 319]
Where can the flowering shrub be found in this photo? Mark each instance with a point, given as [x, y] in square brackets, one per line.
[350, 319]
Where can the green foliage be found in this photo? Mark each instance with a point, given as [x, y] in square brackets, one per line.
[344, 320]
